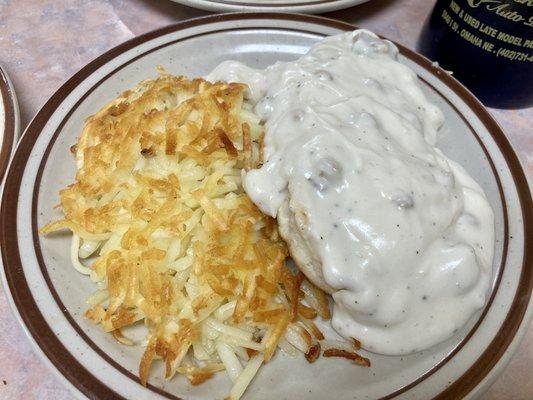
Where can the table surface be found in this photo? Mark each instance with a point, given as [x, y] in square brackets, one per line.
[67, 34]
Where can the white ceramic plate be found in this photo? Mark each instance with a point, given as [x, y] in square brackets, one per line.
[300, 6]
[48, 295]
[9, 121]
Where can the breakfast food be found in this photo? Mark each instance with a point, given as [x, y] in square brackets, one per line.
[179, 183]
[374, 213]
[167, 233]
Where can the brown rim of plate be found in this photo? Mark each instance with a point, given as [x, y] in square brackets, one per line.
[79, 377]
[8, 140]
[268, 5]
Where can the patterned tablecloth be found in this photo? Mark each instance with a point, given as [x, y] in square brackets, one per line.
[43, 42]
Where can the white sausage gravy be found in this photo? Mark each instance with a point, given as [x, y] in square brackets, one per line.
[404, 235]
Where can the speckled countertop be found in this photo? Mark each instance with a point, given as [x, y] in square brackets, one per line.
[43, 42]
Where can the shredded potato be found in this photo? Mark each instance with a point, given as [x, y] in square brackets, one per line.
[162, 224]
